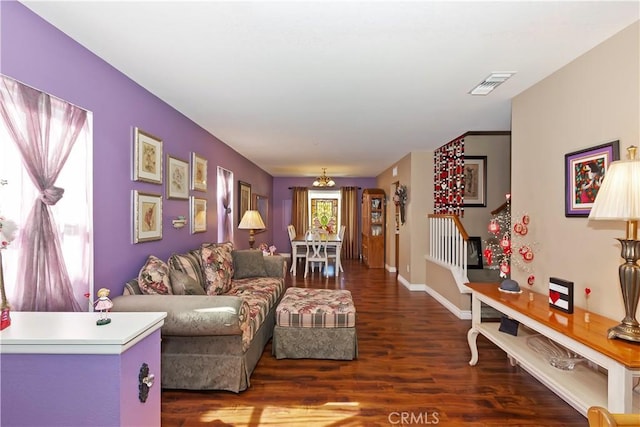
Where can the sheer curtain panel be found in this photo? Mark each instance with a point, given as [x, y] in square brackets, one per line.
[48, 137]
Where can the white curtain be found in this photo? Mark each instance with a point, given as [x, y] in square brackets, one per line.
[46, 146]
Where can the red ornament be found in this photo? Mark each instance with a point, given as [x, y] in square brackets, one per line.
[518, 228]
[528, 256]
[504, 268]
[587, 291]
[525, 219]
[531, 280]
[505, 243]
[488, 255]
[494, 227]
[524, 230]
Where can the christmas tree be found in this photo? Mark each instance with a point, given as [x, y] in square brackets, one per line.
[498, 251]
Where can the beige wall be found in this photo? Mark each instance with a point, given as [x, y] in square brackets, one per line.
[497, 148]
[593, 100]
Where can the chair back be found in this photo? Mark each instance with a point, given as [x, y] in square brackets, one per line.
[341, 233]
[292, 232]
[316, 246]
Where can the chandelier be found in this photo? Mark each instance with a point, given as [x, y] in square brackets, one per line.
[323, 180]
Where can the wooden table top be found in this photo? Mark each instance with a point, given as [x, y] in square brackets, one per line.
[592, 334]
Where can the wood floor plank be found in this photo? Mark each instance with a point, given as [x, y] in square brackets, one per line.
[413, 369]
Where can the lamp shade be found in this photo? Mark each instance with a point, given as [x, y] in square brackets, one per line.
[251, 220]
[619, 196]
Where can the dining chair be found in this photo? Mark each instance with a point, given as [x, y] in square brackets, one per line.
[316, 251]
[332, 252]
[291, 229]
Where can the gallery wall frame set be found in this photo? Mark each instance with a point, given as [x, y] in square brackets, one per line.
[198, 213]
[147, 159]
[147, 216]
[177, 183]
[475, 182]
[584, 172]
[198, 172]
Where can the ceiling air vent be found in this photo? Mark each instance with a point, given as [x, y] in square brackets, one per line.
[490, 83]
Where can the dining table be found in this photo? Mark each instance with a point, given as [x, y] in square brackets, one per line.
[300, 243]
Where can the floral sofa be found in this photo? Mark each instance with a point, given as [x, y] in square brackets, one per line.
[220, 306]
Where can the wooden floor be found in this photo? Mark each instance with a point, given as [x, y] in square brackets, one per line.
[413, 369]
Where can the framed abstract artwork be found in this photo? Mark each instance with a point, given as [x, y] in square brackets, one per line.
[198, 210]
[584, 172]
[198, 172]
[561, 294]
[147, 217]
[147, 163]
[474, 253]
[261, 204]
[475, 181]
[177, 178]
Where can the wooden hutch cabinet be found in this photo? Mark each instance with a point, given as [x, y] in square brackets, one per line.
[373, 227]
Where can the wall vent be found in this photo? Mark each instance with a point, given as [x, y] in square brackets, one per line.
[490, 83]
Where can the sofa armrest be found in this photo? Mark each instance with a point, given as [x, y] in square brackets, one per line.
[191, 315]
[275, 266]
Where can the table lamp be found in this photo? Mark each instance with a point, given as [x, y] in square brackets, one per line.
[252, 221]
[619, 199]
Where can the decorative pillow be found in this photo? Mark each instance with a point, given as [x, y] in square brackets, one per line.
[188, 263]
[154, 277]
[183, 284]
[132, 288]
[217, 264]
[248, 263]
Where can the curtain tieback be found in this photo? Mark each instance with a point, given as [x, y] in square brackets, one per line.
[50, 196]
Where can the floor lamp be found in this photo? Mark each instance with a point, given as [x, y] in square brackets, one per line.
[619, 199]
[252, 221]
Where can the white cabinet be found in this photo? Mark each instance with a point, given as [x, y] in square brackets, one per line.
[61, 369]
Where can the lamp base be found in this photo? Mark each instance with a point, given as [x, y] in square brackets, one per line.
[625, 332]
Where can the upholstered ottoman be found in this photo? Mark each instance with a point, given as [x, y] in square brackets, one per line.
[315, 324]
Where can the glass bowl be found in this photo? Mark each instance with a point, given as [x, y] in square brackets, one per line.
[557, 356]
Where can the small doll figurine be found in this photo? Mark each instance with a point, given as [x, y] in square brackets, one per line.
[103, 304]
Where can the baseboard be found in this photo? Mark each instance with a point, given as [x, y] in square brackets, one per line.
[460, 314]
[415, 287]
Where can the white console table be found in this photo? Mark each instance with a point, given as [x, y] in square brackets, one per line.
[61, 369]
[610, 386]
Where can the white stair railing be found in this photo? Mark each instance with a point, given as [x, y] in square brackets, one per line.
[448, 245]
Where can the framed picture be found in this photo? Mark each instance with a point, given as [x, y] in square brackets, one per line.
[198, 210]
[198, 172]
[147, 217]
[474, 253]
[147, 164]
[261, 204]
[584, 172]
[561, 294]
[244, 199]
[177, 178]
[475, 182]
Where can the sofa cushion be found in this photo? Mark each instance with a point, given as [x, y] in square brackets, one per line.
[217, 264]
[248, 263]
[154, 277]
[183, 284]
[188, 263]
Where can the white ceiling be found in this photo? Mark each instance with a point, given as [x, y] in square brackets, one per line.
[351, 86]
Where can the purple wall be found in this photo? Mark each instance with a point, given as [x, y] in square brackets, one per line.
[282, 202]
[37, 54]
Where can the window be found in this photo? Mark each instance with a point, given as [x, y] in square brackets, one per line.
[72, 213]
[324, 210]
